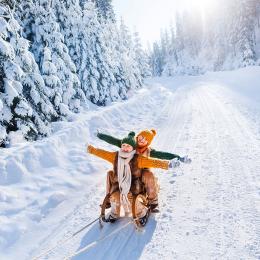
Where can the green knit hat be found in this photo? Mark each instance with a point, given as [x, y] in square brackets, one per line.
[130, 139]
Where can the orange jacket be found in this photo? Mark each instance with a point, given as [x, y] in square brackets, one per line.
[143, 162]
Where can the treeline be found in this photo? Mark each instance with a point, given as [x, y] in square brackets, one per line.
[225, 37]
[56, 57]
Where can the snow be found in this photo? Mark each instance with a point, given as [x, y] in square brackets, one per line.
[1, 105]
[3, 26]
[6, 49]
[209, 209]
[23, 109]
[10, 91]
[13, 71]
[2, 131]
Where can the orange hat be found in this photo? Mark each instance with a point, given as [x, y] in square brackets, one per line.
[148, 134]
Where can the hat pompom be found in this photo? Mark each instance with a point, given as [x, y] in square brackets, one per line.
[131, 134]
[129, 140]
[153, 131]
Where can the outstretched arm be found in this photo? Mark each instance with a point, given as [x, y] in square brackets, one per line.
[106, 155]
[163, 155]
[109, 139]
[148, 162]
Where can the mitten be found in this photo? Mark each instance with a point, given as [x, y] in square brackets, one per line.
[174, 163]
[185, 159]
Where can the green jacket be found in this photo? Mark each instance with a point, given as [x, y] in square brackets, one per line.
[153, 153]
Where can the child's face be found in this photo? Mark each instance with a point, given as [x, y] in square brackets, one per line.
[127, 148]
[141, 140]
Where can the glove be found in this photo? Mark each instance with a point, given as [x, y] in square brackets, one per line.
[89, 147]
[174, 163]
[185, 159]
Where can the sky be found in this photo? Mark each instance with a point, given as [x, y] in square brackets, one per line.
[148, 17]
[145, 17]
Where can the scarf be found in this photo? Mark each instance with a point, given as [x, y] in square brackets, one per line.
[124, 177]
[141, 150]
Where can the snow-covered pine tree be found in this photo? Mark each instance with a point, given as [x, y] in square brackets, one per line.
[122, 59]
[165, 43]
[94, 70]
[127, 57]
[111, 46]
[96, 46]
[214, 51]
[69, 16]
[169, 38]
[24, 105]
[56, 66]
[157, 61]
[172, 58]
[257, 31]
[141, 56]
[105, 9]
[172, 50]
[245, 32]
[188, 43]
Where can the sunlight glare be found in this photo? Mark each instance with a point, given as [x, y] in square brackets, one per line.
[203, 6]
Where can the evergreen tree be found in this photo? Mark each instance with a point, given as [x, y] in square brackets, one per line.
[95, 46]
[245, 30]
[140, 56]
[157, 60]
[94, 69]
[24, 104]
[127, 57]
[53, 58]
[105, 9]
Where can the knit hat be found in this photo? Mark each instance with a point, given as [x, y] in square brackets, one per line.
[129, 140]
[148, 134]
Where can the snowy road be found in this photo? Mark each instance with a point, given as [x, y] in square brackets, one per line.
[209, 209]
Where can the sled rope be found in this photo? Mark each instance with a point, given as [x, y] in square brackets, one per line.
[47, 251]
[94, 243]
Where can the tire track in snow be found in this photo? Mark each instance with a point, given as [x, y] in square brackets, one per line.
[170, 135]
[240, 138]
[214, 222]
[218, 187]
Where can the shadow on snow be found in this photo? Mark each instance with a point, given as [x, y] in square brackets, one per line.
[128, 243]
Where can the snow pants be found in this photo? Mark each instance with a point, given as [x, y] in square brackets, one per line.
[151, 186]
[148, 179]
[116, 205]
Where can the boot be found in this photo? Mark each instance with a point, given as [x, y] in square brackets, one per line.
[111, 219]
[154, 208]
[144, 219]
